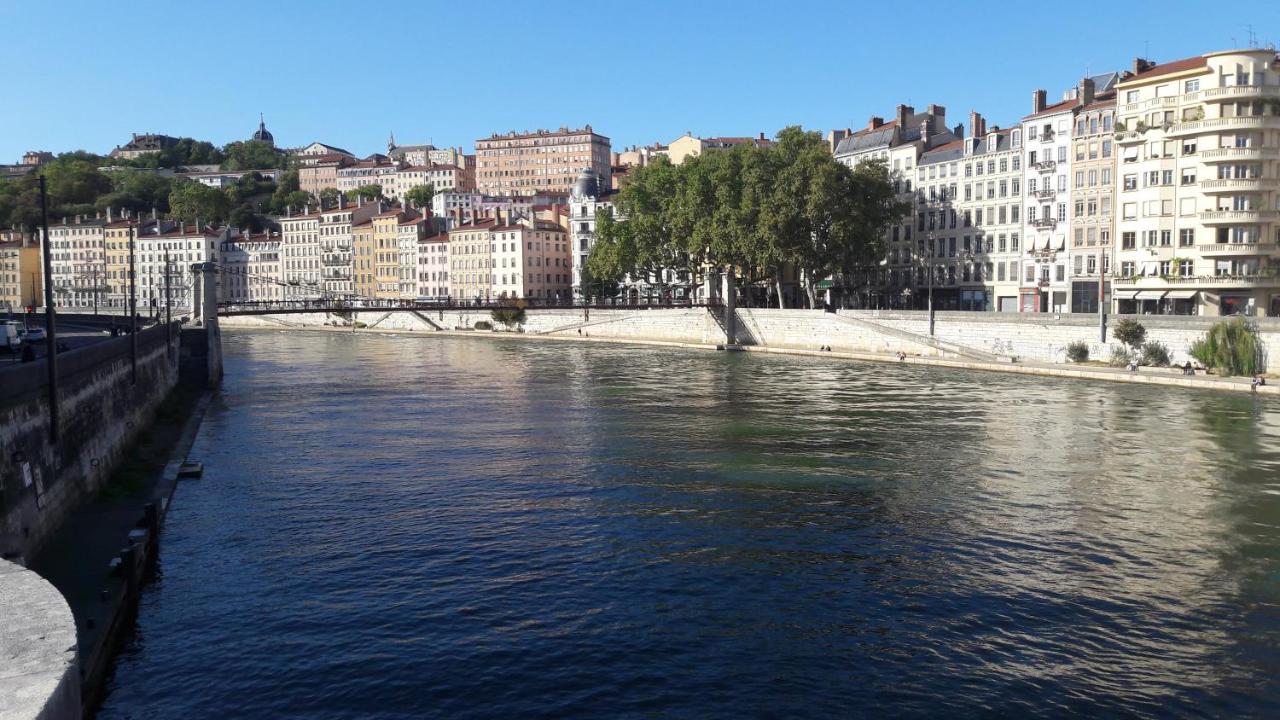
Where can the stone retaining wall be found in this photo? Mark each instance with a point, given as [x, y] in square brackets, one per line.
[101, 411]
[1031, 337]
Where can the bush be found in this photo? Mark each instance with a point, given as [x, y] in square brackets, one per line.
[508, 316]
[483, 325]
[359, 324]
[1078, 351]
[1231, 347]
[1119, 356]
[1154, 354]
[1129, 332]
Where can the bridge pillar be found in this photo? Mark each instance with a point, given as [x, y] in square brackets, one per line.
[730, 308]
[205, 306]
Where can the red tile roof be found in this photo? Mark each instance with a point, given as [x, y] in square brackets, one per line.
[1054, 108]
[1190, 63]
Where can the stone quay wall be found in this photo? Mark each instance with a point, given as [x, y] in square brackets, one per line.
[993, 336]
[101, 412]
[39, 675]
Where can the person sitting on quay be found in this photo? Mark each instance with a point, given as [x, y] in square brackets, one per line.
[1257, 381]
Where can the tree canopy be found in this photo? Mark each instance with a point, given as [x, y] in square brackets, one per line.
[420, 196]
[750, 210]
[251, 155]
[191, 201]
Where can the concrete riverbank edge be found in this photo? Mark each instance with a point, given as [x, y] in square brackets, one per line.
[1145, 376]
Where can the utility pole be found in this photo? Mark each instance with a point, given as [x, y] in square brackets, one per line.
[1102, 308]
[168, 305]
[133, 309]
[50, 318]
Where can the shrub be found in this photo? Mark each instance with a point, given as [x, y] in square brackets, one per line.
[359, 324]
[1119, 356]
[1231, 347]
[508, 316]
[1078, 351]
[483, 325]
[1129, 332]
[1154, 354]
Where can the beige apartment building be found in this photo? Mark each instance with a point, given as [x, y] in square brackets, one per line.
[78, 261]
[541, 162]
[688, 146]
[386, 254]
[20, 272]
[362, 270]
[471, 260]
[315, 173]
[1199, 185]
[531, 259]
[1092, 198]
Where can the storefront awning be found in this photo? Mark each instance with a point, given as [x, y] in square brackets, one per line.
[1127, 294]
[1181, 294]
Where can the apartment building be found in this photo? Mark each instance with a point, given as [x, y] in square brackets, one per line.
[387, 253]
[531, 259]
[899, 144]
[545, 161]
[249, 267]
[362, 271]
[688, 146]
[433, 266]
[1047, 171]
[471, 260]
[443, 178]
[78, 261]
[374, 170]
[585, 203]
[413, 228]
[1093, 194]
[990, 204]
[20, 272]
[163, 256]
[1199, 185]
[301, 262]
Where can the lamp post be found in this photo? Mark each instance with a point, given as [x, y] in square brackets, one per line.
[1102, 307]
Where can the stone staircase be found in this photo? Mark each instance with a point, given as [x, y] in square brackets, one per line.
[944, 346]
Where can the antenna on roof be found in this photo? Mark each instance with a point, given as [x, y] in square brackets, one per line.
[1253, 38]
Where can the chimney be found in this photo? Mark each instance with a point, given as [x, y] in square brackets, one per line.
[976, 123]
[904, 112]
[1086, 93]
[78, 218]
[926, 130]
[109, 218]
[939, 112]
[959, 130]
[1037, 101]
[155, 215]
[1141, 65]
[761, 137]
[875, 122]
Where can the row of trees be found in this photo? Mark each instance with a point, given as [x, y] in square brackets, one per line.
[750, 210]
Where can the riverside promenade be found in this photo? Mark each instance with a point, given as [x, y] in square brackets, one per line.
[971, 341]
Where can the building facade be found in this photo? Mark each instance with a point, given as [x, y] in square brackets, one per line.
[545, 161]
[1093, 195]
[20, 272]
[1199, 185]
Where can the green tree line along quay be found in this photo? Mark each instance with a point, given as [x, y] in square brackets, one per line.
[758, 211]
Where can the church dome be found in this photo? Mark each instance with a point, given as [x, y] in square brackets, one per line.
[263, 135]
[586, 184]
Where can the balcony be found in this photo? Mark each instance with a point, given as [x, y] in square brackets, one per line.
[1238, 249]
[1226, 217]
[1235, 185]
[1044, 166]
[1047, 194]
[1044, 223]
[1230, 123]
[1241, 92]
[1239, 153]
[1126, 138]
[1047, 137]
[1226, 282]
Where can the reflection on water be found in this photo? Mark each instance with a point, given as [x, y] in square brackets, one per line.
[405, 527]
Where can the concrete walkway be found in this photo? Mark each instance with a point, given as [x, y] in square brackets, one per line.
[1144, 376]
[39, 677]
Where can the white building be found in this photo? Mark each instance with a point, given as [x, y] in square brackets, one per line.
[585, 202]
[1046, 225]
[433, 266]
[1199, 193]
[300, 255]
[249, 267]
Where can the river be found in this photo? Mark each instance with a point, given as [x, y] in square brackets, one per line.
[397, 527]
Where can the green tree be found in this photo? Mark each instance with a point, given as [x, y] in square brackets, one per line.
[251, 155]
[288, 193]
[368, 192]
[191, 201]
[420, 196]
[612, 257]
[137, 190]
[1129, 332]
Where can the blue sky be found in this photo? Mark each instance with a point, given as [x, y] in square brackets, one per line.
[87, 73]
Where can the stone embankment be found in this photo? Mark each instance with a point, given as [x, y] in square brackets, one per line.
[1020, 343]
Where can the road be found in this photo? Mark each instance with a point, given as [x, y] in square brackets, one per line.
[75, 334]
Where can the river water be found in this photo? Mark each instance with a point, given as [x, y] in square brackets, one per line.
[400, 527]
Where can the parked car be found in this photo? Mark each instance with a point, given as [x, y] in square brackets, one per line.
[34, 335]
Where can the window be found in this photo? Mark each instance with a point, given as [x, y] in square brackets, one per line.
[1126, 268]
[1189, 176]
[1191, 85]
[1186, 237]
[1128, 240]
[1189, 147]
[1106, 147]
